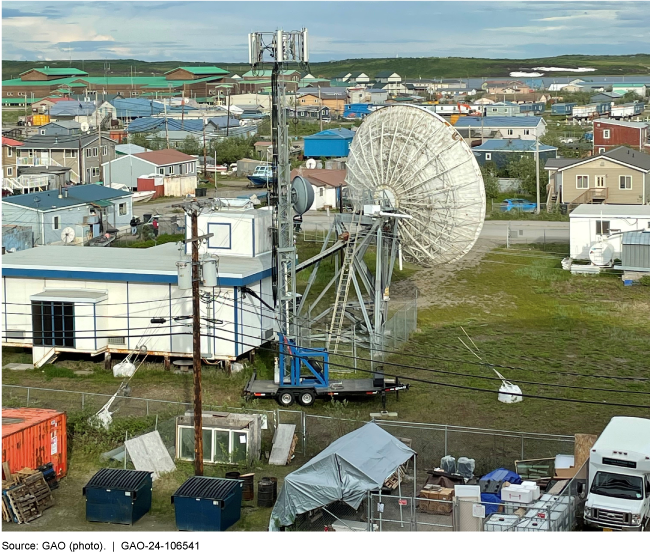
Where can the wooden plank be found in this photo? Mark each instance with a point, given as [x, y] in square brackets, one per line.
[582, 448]
[7, 472]
[282, 442]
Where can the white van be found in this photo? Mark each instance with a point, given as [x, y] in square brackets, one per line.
[619, 476]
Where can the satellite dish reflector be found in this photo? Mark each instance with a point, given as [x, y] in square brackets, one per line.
[310, 163]
[601, 255]
[412, 160]
[84, 127]
[67, 235]
[302, 195]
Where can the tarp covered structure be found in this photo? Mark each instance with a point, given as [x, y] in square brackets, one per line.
[345, 471]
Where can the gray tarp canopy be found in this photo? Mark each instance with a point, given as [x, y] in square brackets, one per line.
[346, 470]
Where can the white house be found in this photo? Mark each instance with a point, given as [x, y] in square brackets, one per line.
[115, 300]
[590, 223]
[327, 184]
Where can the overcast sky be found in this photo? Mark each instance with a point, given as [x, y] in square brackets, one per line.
[217, 31]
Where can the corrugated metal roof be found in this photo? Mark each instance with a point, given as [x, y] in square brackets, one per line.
[201, 70]
[118, 479]
[17, 419]
[56, 71]
[512, 145]
[205, 487]
[77, 195]
[72, 108]
[492, 122]
[638, 237]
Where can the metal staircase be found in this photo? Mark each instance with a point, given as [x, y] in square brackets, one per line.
[347, 268]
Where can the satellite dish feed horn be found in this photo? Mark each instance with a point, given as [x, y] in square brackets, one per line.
[84, 126]
[67, 235]
[310, 163]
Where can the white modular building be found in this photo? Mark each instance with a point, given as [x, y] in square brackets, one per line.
[591, 223]
[114, 300]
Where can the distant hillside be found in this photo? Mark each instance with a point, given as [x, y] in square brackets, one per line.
[638, 64]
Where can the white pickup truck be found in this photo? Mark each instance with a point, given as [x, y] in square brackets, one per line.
[619, 476]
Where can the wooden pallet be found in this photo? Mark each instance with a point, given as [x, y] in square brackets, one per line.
[37, 486]
[6, 512]
[23, 504]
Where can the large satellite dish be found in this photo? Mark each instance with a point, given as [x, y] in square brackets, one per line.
[414, 161]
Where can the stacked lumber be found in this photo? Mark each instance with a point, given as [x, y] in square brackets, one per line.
[25, 495]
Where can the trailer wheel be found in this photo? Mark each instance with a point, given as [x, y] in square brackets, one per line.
[285, 399]
[306, 398]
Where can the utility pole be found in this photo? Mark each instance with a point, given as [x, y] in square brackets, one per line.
[196, 348]
[81, 153]
[205, 157]
[537, 169]
[192, 209]
[166, 130]
[228, 116]
[99, 147]
[320, 110]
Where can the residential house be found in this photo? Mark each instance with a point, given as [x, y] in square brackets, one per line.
[563, 108]
[83, 112]
[526, 128]
[328, 186]
[342, 77]
[604, 97]
[82, 154]
[386, 77]
[610, 133]
[177, 169]
[356, 94]
[502, 109]
[9, 157]
[618, 176]
[376, 96]
[126, 149]
[441, 84]
[263, 149]
[309, 113]
[393, 89]
[256, 74]
[506, 87]
[591, 223]
[358, 77]
[520, 97]
[41, 178]
[60, 128]
[640, 89]
[358, 111]
[333, 98]
[89, 210]
[195, 72]
[329, 143]
[502, 151]
[564, 87]
[44, 105]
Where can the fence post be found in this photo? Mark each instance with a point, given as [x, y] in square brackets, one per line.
[304, 431]
[445, 440]
[369, 510]
[522, 447]
[27, 403]
[147, 405]
[83, 401]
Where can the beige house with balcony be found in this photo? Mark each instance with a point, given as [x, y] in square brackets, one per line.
[620, 176]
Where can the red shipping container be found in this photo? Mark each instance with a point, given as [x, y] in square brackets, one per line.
[34, 437]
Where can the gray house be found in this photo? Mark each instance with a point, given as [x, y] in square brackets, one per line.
[88, 210]
[81, 153]
[168, 164]
[60, 128]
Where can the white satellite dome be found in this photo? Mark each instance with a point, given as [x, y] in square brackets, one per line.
[415, 159]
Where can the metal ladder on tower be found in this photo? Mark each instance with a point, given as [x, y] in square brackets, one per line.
[338, 312]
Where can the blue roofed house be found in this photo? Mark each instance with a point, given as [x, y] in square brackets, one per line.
[329, 143]
[89, 210]
[60, 128]
[501, 151]
[526, 128]
[357, 111]
[82, 112]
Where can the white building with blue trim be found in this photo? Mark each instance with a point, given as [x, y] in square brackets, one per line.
[114, 300]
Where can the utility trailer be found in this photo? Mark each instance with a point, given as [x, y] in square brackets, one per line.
[308, 380]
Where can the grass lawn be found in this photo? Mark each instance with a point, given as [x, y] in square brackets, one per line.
[520, 309]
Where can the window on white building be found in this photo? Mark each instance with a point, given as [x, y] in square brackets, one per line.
[606, 133]
[70, 153]
[161, 170]
[602, 227]
[625, 182]
[89, 152]
[601, 150]
[510, 132]
[95, 172]
[10, 171]
[123, 209]
[95, 152]
[582, 181]
[527, 132]
[488, 157]
[10, 152]
[56, 222]
[600, 181]
[104, 150]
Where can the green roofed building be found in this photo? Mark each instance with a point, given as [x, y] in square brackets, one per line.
[191, 73]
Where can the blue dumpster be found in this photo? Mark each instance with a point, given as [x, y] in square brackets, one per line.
[207, 504]
[118, 496]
